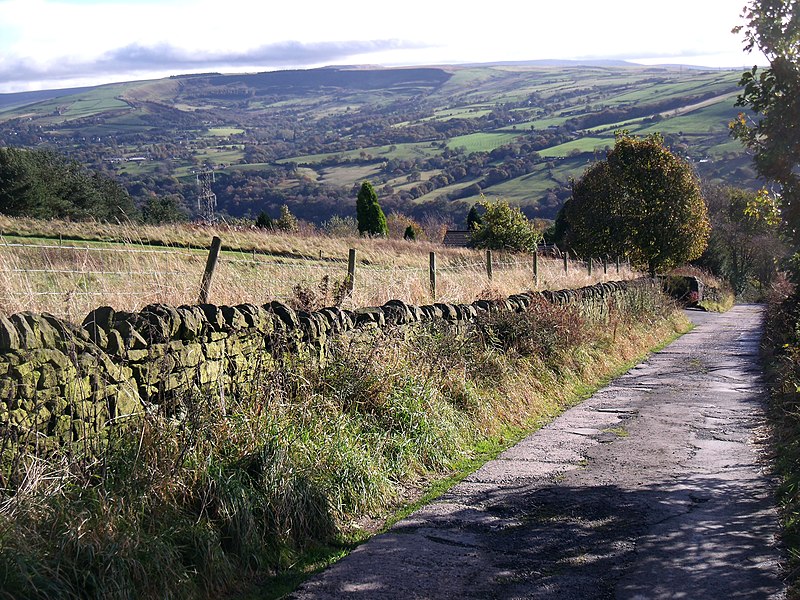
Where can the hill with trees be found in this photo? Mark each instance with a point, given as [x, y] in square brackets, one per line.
[432, 141]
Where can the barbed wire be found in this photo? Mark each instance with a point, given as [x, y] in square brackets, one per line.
[69, 293]
[100, 249]
[274, 263]
[73, 272]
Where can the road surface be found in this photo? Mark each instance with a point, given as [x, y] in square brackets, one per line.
[656, 487]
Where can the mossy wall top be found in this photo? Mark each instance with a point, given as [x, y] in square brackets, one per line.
[60, 382]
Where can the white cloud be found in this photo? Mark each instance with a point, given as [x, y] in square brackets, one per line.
[54, 39]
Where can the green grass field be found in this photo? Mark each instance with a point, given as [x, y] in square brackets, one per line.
[223, 131]
[481, 142]
[586, 144]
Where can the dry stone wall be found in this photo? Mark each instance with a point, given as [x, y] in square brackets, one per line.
[60, 382]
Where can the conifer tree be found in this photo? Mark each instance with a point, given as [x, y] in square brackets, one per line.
[473, 219]
[370, 217]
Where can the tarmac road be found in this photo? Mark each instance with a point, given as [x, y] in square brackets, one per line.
[656, 487]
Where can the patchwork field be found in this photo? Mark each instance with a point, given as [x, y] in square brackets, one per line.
[433, 139]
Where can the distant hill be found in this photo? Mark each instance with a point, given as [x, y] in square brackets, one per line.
[559, 63]
[432, 140]
[24, 98]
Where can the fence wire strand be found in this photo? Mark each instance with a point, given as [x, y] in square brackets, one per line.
[70, 280]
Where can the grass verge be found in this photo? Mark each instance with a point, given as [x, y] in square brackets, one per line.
[245, 496]
[781, 354]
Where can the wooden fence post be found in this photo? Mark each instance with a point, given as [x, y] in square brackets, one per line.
[489, 264]
[605, 264]
[617, 264]
[589, 267]
[211, 264]
[566, 263]
[433, 275]
[351, 272]
[536, 268]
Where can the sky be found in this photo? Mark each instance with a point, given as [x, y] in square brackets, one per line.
[47, 44]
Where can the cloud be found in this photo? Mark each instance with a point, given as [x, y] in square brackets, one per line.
[168, 58]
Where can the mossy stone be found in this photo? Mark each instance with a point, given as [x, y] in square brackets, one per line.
[115, 344]
[9, 337]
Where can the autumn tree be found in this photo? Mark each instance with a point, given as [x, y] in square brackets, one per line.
[773, 94]
[745, 244]
[642, 201]
[370, 217]
[505, 227]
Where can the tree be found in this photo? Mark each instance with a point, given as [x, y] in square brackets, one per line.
[164, 209]
[504, 227]
[410, 234]
[642, 201]
[369, 214]
[473, 219]
[744, 245]
[264, 221]
[773, 93]
[287, 221]
[43, 184]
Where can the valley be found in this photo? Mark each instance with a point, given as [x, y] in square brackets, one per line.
[432, 140]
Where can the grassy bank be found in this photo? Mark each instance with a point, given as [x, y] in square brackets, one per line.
[781, 353]
[243, 496]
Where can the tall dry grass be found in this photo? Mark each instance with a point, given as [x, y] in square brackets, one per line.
[129, 267]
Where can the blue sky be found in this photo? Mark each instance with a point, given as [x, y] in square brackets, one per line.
[61, 43]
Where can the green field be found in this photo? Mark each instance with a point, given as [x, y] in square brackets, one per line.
[586, 144]
[223, 131]
[481, 142]
[342, 126]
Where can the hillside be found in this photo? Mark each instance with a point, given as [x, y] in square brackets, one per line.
[430, 139]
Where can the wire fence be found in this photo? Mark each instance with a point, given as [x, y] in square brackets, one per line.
[69, 280]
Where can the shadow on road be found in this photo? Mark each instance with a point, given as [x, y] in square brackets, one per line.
[556, 541]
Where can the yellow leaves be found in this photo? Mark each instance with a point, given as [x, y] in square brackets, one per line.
[764, 207]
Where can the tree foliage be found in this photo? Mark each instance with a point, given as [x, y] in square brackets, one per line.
[505, 227]
[643, 202]
[745, 244]
[164, 209]
[264, 221]
[773, 93]
[43, 184]
[473, 219]
[370, 217]
[286, 221]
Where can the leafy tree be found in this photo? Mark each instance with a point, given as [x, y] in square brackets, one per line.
[287, 221]
[641, 201]
[338, 226]
[473, 219]
[773, 93]
[164, 209]
[43, 184]
[505, 227]
[264, 221]
[369, 214]
[744, 243]
[410, 234]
